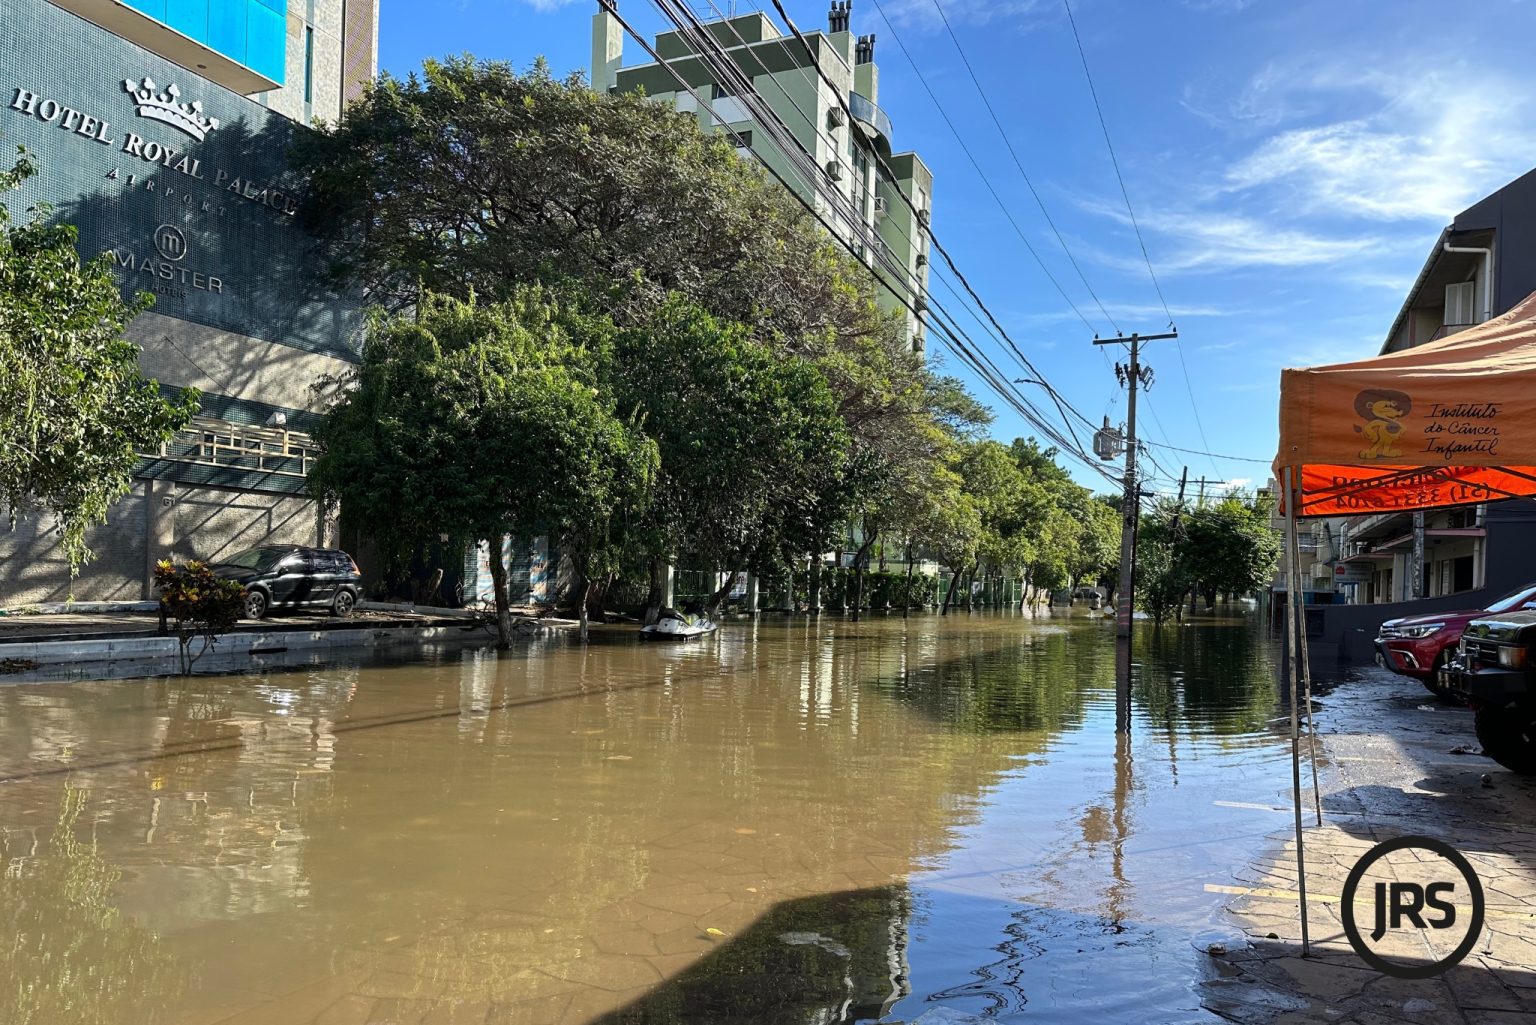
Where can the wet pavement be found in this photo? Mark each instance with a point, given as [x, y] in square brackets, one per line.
[898, 820]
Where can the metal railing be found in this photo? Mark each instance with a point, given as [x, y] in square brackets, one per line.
[209, 441]
[864, 109]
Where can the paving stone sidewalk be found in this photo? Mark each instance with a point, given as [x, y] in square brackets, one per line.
[1396, 762]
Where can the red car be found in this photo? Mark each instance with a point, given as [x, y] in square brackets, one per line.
[1418, 646]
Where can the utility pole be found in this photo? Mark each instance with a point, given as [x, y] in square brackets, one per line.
[1130, 512]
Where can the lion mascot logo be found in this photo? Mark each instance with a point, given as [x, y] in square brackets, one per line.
[1382, 410]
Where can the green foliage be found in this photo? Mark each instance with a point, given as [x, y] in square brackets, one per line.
[197, 604]
[71, 955]
[750, 441]
[1162, 576]
[1229, 547]
[75, 413]
[470, 178]
[482, 420]
[1224, 548]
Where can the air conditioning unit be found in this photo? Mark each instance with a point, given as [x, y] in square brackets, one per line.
[835, 117]
[835, 170]
[880, 206]
[922, 217]
[922, 260]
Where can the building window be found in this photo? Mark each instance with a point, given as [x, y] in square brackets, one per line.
[718, 91]
[309, 64]
[740, 139]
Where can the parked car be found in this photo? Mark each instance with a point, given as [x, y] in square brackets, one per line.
[1090, 595]
[288, 576]
[1420, 646]
[1495, 672]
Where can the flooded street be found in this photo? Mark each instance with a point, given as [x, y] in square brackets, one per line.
[797, 821]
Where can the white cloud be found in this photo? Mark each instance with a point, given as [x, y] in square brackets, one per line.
[1202, 240]
[1415, 146]
[549, 5]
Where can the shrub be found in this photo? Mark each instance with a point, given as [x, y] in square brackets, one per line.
[197, 604]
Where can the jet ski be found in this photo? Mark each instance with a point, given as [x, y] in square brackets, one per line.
[673, 625]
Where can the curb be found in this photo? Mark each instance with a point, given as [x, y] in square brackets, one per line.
[250, 642]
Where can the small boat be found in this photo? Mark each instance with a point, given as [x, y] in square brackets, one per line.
[673, 625]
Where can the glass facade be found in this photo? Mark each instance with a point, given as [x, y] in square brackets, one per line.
[250, 32]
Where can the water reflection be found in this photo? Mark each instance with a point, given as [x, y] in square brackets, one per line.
[69, 954]
[925, 807]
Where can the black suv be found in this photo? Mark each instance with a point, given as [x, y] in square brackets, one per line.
[1495, 671]
[287, 576]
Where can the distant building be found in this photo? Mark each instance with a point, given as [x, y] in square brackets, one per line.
[160, 129]
[785, 77]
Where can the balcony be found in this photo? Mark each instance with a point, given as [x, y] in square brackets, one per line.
[280, 456]
[864, 110]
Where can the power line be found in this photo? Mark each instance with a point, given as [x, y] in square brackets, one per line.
[998, 384]
[1194, 406]
[1061, 404]
[1008, 143]
[974, 162]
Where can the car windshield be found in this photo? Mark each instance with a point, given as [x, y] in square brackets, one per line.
[1514, 600]
[255, 558]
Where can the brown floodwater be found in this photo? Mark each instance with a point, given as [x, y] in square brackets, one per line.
[794, 822]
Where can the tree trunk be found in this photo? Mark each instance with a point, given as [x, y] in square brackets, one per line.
[813, 586]
[712, 604]
[949, 595]
[906, 598]
[859, 558]
[597, 598]
[656, 591]
[581, 615]
[499, 586]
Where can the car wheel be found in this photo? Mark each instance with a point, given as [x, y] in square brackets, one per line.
[343, 603]
[1508, 736]
[255, 604]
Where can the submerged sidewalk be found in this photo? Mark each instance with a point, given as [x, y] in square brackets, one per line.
[129, 632]
[1391, 767]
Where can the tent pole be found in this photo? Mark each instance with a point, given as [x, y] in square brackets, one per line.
[1294, 610]
[1306, 676]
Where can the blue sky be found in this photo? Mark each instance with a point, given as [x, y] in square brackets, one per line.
[1290, 162]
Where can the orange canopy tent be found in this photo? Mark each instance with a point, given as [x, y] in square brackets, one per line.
[1449, 423]
[1452, 422]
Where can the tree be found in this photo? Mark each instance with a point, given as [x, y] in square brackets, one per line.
[1229, 547]
[472, 178]
[75, 413]
[197, 605]
[950, 527]
[750, 442]
[1162, 569]
[484, 420]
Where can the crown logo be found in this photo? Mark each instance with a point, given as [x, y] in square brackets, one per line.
[163, 107]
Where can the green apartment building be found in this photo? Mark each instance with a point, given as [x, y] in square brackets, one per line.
[853, 157]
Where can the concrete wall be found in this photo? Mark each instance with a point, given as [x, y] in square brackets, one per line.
[158, 519]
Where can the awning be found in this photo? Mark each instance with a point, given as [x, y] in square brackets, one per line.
[1448, 423]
